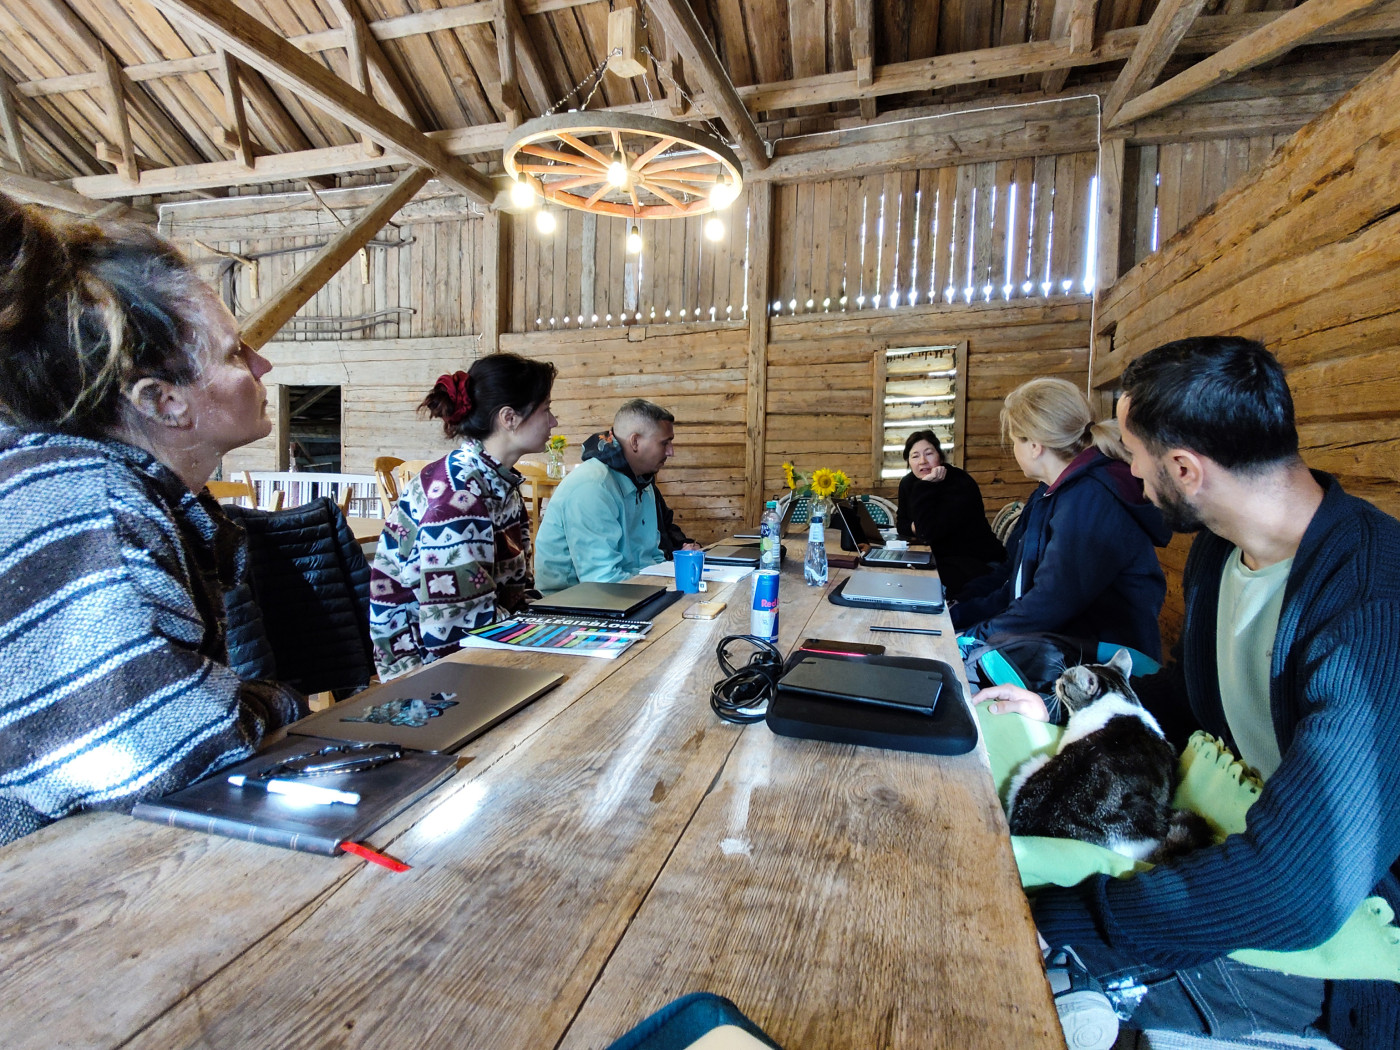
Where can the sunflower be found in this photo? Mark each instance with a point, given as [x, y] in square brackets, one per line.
[558, 443]
[843, 483]
[823, 482]
[789, 475]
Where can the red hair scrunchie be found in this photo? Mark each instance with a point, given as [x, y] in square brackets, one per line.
[457, 386]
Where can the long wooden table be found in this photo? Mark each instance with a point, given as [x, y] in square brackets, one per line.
[609, 848]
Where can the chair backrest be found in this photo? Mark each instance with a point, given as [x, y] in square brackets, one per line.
[801, 510]
[392, 474]
[881, 510]
[233, 490]
[1005, 519]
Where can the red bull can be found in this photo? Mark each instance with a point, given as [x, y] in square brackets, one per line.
[763, 619]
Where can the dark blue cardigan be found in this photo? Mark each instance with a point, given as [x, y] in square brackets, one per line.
[1085, 550]
[1325, 832]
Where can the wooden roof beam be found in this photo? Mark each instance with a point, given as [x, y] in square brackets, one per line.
[267, 320]
[9, 119]
[261, 47]
[1286, 32]
[512, 102]
[688, 39]
[57, 136]
[36, 191]
[1159, 40]
[1073, 21]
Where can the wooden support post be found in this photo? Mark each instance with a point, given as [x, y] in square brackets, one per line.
[368, 65]
[495, 280]
[1110, 215]
[236, 132]
[512, 104]
[10, 119]
[756, 407]
[264, 323]
[1073, 21]
[36, 191]
[863, 55]
[121, 125]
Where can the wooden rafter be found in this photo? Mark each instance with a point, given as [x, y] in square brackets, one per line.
[684, 32]
[512, 102]
[9, 119]
[237, 129]
[530, 71]
[76, 34]
[265, 322]
[1290, 29]
[360, 42]
[1159, 40]
[261, 47]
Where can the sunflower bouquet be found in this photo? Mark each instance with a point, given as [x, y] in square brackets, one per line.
[822, 483]
[557, 443]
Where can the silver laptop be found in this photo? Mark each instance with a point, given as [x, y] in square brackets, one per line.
[439, 708]
[913, 591]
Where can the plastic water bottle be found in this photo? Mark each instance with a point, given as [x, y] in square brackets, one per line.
[814, 566]
[770, 543]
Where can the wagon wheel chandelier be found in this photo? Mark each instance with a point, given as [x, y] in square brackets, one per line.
[622, 164]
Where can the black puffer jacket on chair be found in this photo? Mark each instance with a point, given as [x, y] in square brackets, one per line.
[301, 615]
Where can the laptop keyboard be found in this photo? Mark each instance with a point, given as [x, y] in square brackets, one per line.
[885, 554]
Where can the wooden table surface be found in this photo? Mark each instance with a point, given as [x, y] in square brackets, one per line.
[609, 848]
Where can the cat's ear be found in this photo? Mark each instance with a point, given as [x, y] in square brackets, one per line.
[1122, 662]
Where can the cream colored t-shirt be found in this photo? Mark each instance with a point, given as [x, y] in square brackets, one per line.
[1244, 647]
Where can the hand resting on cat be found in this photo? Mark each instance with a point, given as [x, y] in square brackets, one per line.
[1111, 779]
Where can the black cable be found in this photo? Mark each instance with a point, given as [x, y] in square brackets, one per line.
[743, 694]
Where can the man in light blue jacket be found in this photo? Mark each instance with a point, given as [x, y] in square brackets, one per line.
[601, 524]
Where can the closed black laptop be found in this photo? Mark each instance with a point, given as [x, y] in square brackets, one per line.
[614, 600]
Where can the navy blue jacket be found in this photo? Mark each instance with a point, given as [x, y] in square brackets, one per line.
[1325, 831]
[1084, 552]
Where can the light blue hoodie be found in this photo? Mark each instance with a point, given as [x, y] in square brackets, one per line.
[599, 526]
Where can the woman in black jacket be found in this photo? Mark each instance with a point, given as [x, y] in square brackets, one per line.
[942, 506]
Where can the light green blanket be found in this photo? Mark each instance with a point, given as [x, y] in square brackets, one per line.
[1215, 785]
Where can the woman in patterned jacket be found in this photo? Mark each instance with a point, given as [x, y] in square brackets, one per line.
[455, 553]
[123, 381]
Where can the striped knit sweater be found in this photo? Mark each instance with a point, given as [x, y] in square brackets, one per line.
[116, 686]
[1325, 831]
[455, 554]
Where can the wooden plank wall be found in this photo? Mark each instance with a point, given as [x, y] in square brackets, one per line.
[1304, 255]
[1176, 182]
[820, 380]
[993, 231]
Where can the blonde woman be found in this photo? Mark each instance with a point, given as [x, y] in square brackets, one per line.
[1081, 560]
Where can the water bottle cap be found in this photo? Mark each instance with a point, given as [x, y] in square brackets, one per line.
[772, 504]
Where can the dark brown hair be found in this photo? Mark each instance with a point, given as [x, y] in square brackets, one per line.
[494, 381]
[87, 309]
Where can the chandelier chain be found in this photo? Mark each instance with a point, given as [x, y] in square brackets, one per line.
[689, 99]
[596, 76]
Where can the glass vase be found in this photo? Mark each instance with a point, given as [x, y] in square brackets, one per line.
[554, 464]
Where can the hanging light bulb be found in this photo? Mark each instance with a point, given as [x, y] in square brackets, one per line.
[634, 241]
[714, 228]
[617, 170]
[722, 195]
[522, 194]
[544, 221]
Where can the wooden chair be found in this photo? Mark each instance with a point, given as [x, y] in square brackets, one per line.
[1006, 518]
[540, 487]
[882, 511]
[392, 474]
[233, 490]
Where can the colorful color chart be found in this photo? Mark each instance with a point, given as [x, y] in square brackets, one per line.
[567, 635]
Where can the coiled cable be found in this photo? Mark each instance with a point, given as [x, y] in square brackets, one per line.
[742, 695]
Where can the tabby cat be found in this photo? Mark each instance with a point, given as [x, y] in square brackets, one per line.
[1110, 782]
